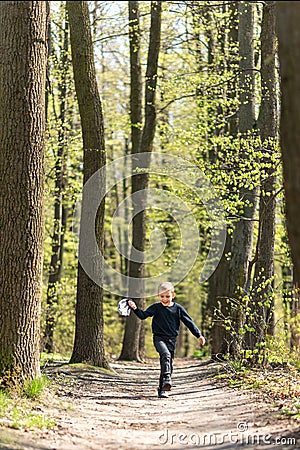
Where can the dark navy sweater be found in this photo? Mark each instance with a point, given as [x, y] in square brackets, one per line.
[166, 319]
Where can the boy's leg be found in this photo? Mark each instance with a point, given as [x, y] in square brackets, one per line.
[172, 358]
[164, 358]
[165, 347]
[171, 346]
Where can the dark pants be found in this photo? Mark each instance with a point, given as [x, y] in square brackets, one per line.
[165, 346]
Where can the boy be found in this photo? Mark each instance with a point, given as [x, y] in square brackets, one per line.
[165, 328]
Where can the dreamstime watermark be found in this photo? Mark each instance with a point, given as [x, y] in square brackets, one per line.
[241, 436]
[187, 176]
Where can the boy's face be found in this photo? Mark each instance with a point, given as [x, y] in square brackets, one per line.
[166, 297]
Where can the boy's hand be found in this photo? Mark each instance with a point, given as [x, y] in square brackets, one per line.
[132, 304]
[201, 339]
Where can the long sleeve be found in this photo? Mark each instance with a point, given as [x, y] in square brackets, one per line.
[189, 323]
[149, 312]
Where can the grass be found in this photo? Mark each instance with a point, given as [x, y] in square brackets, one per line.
[27, 408]
[280, 385]
[29, 420]
[4, 402]
[47, 358]
[18, 410]
[34, 388]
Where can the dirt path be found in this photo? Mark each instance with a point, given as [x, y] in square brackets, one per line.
[96, 410]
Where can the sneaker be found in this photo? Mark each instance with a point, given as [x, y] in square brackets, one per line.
[166, 384]
[162, 394]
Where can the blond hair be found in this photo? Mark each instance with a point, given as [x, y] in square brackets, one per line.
[165, 286]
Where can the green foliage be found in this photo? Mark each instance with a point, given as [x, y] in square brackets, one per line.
[19, 411]
[4, 401]
[49, 358]
[197, 104]
[30, 420]
[203, 353]
[246, 320]
[34, 388]
[293, 411]
[63, 160]
[279, 384]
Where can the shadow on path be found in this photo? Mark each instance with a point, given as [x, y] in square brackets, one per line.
[101, 410]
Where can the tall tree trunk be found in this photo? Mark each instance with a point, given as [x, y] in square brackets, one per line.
[131, 342]
[262, 316]
[217, 306]
[23, 49]
[288, 16]
[59, 207]
[89, 341]
[242, 237]
[218, 283]
[216, 332]
[49, 45]
[132, 350]
[295, 315]
[125, 233]
[295, 318]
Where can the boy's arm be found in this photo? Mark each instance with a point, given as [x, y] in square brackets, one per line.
[149, 312]
[190, 324]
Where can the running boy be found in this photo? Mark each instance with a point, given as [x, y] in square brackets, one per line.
[165, 328]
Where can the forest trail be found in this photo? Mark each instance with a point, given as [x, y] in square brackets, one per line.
[97, 410]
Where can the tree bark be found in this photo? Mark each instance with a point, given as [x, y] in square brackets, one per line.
[132, 350]
[131, 344]
[242, 238]
[288, 16]
[23, 49]
[295, 318]
[89, 340]
[262, 315]
[218, 284]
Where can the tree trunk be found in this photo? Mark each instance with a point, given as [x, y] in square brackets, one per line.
[218, 283]
[59, 208]
[288, 16]
[295, 318]
[23, 49]
[262, 315]
[89, 342]
[132, 350]
[242, 237]
[131, 345]
[49, 45]
[217, 306]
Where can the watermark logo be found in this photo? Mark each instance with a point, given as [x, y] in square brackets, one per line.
[183, 213]
[240, 436]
